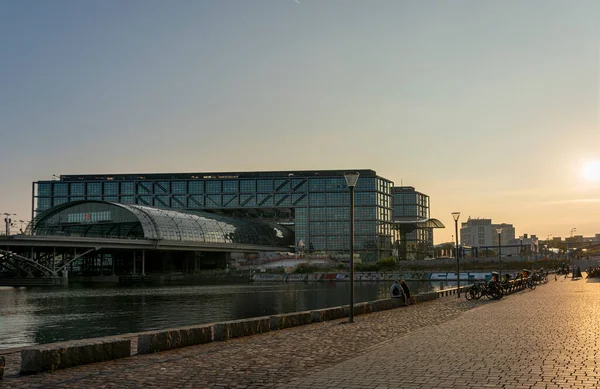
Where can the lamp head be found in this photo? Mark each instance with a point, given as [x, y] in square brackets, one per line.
[455, 215]
[499, 230]
[351, 178]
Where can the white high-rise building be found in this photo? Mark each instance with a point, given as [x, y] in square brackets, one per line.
[483, 233]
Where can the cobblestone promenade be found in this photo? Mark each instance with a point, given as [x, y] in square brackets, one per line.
[546, 338]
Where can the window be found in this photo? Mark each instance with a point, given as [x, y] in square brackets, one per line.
[247, 186]
[161, 187]
[318, 228]
[318, 213]
[43, 189]
[282, 185]
[179, 187]
[127, 200]
[144, 187]
[196, 187]
[318, 199]
[60, 189]
[111, 188]
[43, 203]
[213, 186]
[127, 188]
[337, 184]
[230, 186]
[77, 189]
[339, 213]
[366, 184]
[317, 184]
[264, 185]
[94, 189]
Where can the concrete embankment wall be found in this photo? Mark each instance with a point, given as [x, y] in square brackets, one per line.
[369, 276]
[51, 357]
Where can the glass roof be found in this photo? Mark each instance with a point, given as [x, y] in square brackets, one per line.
[107, 219]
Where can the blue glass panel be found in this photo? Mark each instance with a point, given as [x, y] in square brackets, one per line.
[318, 213]
[60, 189]
[145, 200]
[339, 213]
[111, 188]
[77, 189]
[213, 201]
[161, 201]
[196, 201]
[161, 187]
[247, 186]
[59, 200]
[282, 185]
[283, 200]
[366, 184]
[179, 187]
[44, 190]
[318, 228]
[299, 199]
[317, 184]
[127, 188]
[144, 187]
[338, 198]
[337, 184]
[318, 199]
[248, 200]
[43, 203]
[230, 200]
[264, 185]
[179, 201]
[298, 184]
[213, 186]
[127, 200]
[196, 187]
[230, 186]
[76, 198]
[108, 198]
[264, 200]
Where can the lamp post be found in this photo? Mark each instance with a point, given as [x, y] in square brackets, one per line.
[521, 247]
[351, 180]
[499, 231]
[456, 215]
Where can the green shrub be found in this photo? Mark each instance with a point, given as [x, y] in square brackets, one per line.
[386, 263]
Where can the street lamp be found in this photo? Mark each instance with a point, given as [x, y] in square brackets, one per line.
[456, 215]
[521, 247]
[351, 180]
[499, 231]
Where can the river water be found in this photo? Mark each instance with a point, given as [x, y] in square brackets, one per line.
[31, 316]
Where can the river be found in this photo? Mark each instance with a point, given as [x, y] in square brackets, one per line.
[38, 315]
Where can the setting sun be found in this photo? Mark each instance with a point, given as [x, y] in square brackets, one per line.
[591, 171]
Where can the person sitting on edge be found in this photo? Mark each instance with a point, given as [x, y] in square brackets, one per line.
[396, 290]
[404, 286]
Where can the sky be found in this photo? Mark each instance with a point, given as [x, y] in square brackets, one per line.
[489, 107]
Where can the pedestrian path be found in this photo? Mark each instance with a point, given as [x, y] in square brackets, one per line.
[542, 338]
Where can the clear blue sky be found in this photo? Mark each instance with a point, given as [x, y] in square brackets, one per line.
[490, 107]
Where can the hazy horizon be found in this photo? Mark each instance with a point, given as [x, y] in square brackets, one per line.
[490, 108]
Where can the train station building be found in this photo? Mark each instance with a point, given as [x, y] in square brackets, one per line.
[314, 205]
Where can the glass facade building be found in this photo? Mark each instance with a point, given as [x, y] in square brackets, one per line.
[315, 204]
[413, 241]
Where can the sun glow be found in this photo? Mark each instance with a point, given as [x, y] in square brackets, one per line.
[591, 171]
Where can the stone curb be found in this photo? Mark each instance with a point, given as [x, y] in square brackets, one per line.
[151, 342]
[56, 356]
[51, 358]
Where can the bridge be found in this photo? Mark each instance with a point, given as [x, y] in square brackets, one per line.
[99, 238]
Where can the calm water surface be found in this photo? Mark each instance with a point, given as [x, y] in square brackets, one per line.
[43, 315]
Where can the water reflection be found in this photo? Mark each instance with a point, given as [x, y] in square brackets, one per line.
[44, 315]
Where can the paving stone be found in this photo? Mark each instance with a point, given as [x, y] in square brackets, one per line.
[546, 338]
